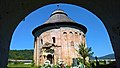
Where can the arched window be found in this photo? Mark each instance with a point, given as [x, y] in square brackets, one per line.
[75, 32]
[53, 39]
[64, 32]
[71, 33]
[79, 33]
[41, 41]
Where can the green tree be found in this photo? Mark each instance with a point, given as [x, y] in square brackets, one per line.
[21, 54]
[84, 52]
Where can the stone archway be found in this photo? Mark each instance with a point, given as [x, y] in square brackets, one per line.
[12, 12]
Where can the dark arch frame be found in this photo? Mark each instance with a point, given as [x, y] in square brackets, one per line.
[12, 12]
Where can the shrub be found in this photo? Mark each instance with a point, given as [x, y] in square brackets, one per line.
[56, 66]
[68, 66]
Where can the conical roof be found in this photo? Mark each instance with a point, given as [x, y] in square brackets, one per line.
[58, 19]
[58, 16]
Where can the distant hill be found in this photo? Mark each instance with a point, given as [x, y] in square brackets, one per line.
[21, 54]
[109, 56]
[92, 58]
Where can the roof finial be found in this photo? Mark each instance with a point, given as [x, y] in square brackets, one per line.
[58, 6]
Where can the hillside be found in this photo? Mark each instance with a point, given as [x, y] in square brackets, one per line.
[109, 56]
[21, 54]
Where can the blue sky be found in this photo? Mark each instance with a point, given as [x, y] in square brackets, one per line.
[96, 36]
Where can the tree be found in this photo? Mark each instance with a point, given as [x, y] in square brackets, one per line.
[21, 54]
[85, 52]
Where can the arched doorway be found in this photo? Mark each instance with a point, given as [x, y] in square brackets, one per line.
[50, 58]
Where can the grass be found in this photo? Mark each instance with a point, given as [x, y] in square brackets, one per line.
[19, 66]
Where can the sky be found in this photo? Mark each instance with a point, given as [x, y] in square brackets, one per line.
[96, 37]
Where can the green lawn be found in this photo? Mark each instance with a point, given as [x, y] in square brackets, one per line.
[19, 66]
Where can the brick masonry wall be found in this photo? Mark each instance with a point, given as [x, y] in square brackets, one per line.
[66, 38]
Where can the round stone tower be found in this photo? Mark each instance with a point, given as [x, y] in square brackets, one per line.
[57, 39]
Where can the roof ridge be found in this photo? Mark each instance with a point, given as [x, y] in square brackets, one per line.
[59, 16]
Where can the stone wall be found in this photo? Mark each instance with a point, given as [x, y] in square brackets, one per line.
[66, 41]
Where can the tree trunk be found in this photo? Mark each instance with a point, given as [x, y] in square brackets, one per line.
[84, 61]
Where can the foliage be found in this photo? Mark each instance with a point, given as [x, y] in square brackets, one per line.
[32, 64]
[68, 66]
[88, 65]
[21, 54]
[46, 66]
[84, 52]
[56, 66]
